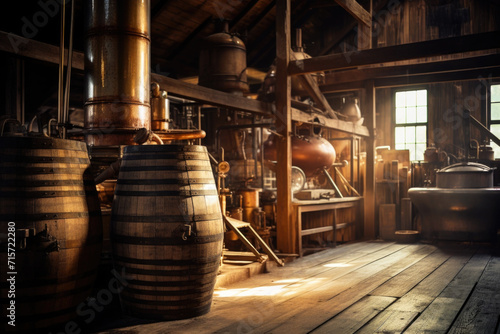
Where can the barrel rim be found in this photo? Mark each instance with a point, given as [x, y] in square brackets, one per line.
[42, 142]
[164, 148]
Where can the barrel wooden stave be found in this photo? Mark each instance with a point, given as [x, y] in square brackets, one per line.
[44, 185]
[157, 194]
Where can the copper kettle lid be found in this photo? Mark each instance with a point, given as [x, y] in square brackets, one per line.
[466, 167]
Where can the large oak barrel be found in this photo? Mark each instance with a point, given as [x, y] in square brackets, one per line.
[166, 231]
[49, 203]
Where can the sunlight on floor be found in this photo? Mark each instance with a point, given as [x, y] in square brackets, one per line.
[286, 288]
[337, 265]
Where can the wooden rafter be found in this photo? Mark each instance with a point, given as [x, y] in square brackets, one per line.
[444, 46]
[357, 11]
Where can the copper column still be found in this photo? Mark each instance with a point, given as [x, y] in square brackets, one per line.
[117, 65]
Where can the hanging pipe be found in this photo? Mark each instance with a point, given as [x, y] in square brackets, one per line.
[65, 119]
[60, 97]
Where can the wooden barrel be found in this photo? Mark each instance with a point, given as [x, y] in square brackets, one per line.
[49, 201]
[166, 231]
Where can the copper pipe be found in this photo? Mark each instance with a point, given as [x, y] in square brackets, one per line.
[109, 173]
[117, 65]
[180, 134]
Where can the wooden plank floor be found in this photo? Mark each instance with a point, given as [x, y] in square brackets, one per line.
[364, 287]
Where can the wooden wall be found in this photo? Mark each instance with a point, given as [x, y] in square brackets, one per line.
[445, 127]
[408, 21]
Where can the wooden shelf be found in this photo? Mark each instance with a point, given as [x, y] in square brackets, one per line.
[334, 204]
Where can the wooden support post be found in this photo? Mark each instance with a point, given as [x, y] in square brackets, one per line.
[286, 232]
[368, 110]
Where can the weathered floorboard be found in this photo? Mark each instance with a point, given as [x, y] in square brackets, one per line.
[482, 310]
[365, 287]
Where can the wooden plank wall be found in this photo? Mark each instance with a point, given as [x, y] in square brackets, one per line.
[444, 125]
[421, 20]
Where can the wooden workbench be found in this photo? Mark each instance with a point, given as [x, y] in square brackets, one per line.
[301, 206]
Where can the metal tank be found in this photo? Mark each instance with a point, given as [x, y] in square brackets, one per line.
[117, 70]
[463, 206]
[311, 154]
[160, 109]
[223, 63]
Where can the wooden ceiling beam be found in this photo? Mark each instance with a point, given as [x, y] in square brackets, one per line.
[158, 9]
[487, 73]
[347, 28]
[212, 96]
[30, 48]
[357, 11]
[438, 47]
[234, 22]
[360, 74]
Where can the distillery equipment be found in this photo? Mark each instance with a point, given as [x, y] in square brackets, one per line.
[117, 71]
[463, 206]
[223, 63]
[310, 153]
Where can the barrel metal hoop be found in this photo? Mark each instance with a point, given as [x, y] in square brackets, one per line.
[182, 182]
[45, 194]
[164, 168]
[189, 270]
[47, 183]
[183, 302]
[181, 193]
[19, 170]
[46, 216]
[182, 293]
[166, 218]
[167, 262]
[166, 156]
[158, 241]
[40, 159]
[164, 148]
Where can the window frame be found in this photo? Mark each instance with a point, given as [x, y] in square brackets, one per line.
[491, 122]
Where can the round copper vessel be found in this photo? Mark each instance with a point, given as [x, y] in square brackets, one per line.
[311, 154]
[117, 65]
[223, 63]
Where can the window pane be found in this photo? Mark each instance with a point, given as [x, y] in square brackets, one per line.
[411, 115]
[421, 134]
[422, 97]
[495, 111]
[419, 151]
[399, 137]
[495, 128]
[400, 146]
[422, 115]
[400, 116]
[400, 99]
[495, 93]
[411, 148]
[410, 134]
[411, 98]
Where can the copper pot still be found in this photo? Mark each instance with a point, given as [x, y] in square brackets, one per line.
[117, 66]
[223, 63]
[311, 154]
[465, 175]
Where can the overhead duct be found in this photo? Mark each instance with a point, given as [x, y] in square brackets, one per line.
[117, 70]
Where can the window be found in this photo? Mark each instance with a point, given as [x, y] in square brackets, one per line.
[495, 116]
[410, 120]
